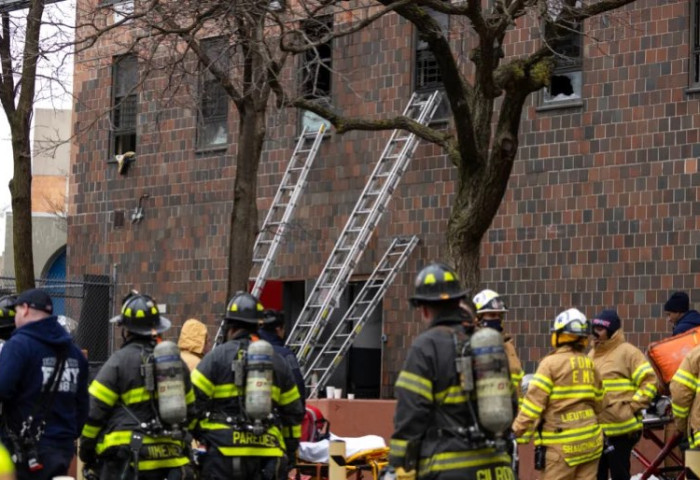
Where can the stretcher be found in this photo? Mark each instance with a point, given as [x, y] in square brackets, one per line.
[364, 458]
[667, 464]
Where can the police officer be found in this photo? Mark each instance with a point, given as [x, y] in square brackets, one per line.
[124, 431]
[561, 405]
[491, 312]
[434, 416]
[236, 446]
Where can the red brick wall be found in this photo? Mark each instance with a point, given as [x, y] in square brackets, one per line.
[601, 208]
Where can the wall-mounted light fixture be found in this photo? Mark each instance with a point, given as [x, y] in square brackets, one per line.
[137, 213]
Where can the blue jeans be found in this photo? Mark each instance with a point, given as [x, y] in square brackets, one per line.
[55, 461]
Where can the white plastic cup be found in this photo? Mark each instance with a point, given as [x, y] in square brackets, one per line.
[338, 393]
[330, 392]
[351, 396]
[63, 477]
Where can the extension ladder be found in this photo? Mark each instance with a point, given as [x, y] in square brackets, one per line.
[321, 368]
[368, 210]
[280, 213]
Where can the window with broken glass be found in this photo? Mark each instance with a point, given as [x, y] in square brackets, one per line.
[212, 120]
[125, 79]
[316, 68]
[566, 82]
[695, 44]
[427, 77]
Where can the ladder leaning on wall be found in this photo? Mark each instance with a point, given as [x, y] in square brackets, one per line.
[283, 204]
[368, 210]
[323, 365]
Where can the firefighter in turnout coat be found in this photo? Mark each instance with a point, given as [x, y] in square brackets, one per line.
[629, 384]
[685, 402]
[124, 430]
[433, 413]
[234, 448]
[562, 402]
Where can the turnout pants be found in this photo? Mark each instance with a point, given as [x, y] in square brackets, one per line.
[114, 469]
[617, 461]
[216, 466]
[557, 469]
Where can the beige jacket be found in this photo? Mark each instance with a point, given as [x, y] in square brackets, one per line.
[684, 401]
[192, 341]
[629, 384]
[561, 406]
[514, 366]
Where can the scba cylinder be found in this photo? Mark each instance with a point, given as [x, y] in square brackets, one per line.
[170, 382]
[493, 394]
[258, 387]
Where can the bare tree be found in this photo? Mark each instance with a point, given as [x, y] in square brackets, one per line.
[24, 41]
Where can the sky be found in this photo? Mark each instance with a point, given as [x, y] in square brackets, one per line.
[49, 94]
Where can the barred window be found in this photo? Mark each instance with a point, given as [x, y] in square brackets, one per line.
[426, 71]
[695, 43]
[567, 79]
[124, 104]
[316, 68]
[212, 124]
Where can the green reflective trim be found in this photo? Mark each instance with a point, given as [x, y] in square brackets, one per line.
[226, 390]
[251, 451]
[578, 460]
[678, 411]
[289, 396]
[167, 463]
[135, 395]
[451, 395]
[542, 382]
[569, 435]
[90, 431]
[530, 409]
[397, 447]
[189, 398]
[202, 383]
[620, 428]
[206, 424]
[102, 393]
[577, 391]
[460, 460]
[685, 378]
[296, 431]
[123, 437]
[416, 384]
[641, 372]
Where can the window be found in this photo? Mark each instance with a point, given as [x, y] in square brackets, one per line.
[567, 78]
[427, 72]
[124, 104]
[212, 122]
[316, 69]
[695, 44]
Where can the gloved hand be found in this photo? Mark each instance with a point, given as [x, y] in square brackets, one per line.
[86, 451]
[90, 473]
[402, 474]
[292, 445]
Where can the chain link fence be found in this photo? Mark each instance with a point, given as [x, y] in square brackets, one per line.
[90, 303]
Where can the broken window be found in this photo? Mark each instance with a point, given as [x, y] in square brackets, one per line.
[427, 73]
[316, 68]
[125, 78]
[695, 44]
[566, 41]
[212, 124]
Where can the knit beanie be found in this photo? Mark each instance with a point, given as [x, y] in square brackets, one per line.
[609, 320]
[678, 302]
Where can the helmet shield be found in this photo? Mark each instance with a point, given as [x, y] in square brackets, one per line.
[573, 322]
[489, 301]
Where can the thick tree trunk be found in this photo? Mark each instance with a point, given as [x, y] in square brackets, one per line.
[244, 216]
[21, 190]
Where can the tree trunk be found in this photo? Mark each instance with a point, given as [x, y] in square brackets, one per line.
[244, 216]
[21, 190]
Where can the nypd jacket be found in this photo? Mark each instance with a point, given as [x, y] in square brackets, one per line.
[220, 405]
[431, 410]
[629, 384]
[561, 406]
[120, 403]
[26, 363]
[685, 402]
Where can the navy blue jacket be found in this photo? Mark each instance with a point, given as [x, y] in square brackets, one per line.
[26, 362]
[288, 356]
[691, 319]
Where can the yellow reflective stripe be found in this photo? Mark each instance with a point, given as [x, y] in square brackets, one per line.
[166, 463]
[685, 378]
[575, 391]
[135, 395]
[123, 437]
[620, 428]
[678, 411]
[452, 395]
[289, 396]
[530, 409]
[641, 372]
[397, 447]
[90, 431]
[416, 384]
[189, 398]
[209, 425]
[542, 382]
[102, 393]
[296, 431]
[251, 451]
[578, 460]
[695, 440]
[202, 383]
[618, 385]
[275, 393]
[226, 390]
[569, 435]
[458, 460]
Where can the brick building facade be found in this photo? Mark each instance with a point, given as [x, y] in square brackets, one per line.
[601, 209]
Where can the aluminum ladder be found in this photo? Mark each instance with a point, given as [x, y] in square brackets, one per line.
[368, 210]
[323, 365]
[280, 213]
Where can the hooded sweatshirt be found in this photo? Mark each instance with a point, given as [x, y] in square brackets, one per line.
[690, 319]
[193, 339]
[26, 362]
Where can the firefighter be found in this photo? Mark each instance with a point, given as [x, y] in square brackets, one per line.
[629, 384]
[126, 436]
[685, 401]
[435, 417]
[491, 312]
[561, 405]
[237, 445]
